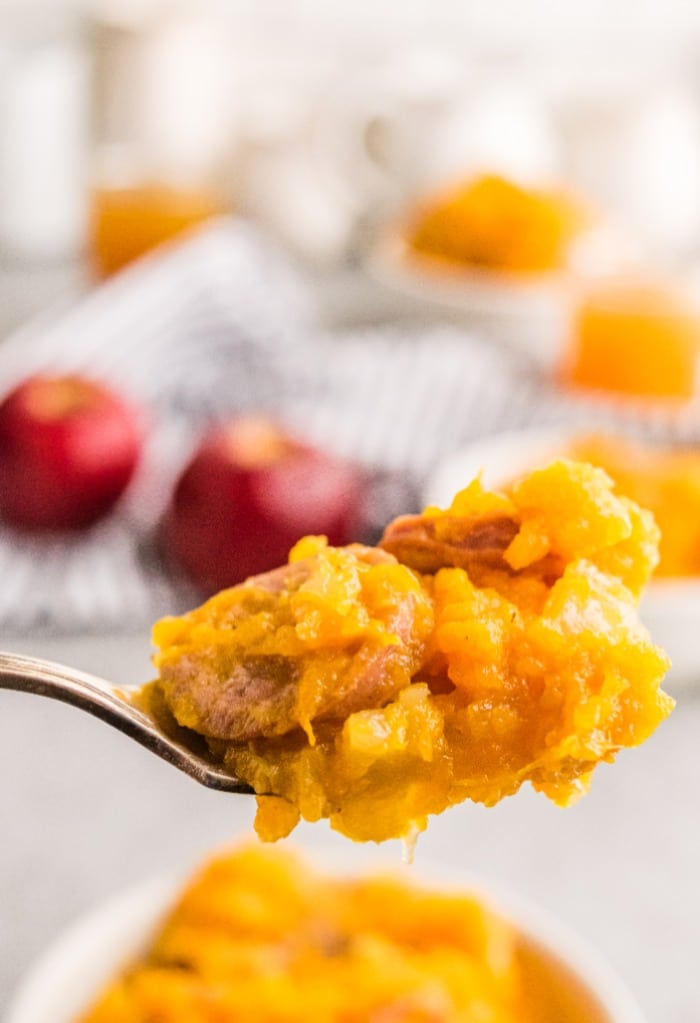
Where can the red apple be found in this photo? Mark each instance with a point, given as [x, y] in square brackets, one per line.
[249, 493]
[68, 448]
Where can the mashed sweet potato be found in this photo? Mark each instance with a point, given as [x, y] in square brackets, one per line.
[494, 224]
[257, 937]
[483, 646]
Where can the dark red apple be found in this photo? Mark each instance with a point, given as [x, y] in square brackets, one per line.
[68, 449]
[248, 494]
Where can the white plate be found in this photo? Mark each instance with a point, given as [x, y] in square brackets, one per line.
[70, 975]
[530, 315]
[670, 608]
[528, 312]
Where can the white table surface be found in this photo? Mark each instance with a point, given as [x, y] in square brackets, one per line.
[85, 812]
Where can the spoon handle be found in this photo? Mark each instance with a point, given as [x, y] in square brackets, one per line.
[58, 682]
[112, 705]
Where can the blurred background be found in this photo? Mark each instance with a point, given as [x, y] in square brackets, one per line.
[320, 122]
[400, 229]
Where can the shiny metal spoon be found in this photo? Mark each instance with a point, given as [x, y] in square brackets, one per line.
[177, 746]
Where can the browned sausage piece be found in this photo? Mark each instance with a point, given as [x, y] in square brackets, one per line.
[428, 543]
[461, 543]
[226, 692]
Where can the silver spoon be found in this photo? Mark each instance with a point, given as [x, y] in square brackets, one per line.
[177, 746]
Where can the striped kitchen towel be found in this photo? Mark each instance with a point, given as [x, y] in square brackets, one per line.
[222, 324]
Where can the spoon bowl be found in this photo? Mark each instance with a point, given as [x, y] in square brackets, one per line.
[124, 710]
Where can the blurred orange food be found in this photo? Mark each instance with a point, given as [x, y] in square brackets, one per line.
[635, 338]
[665, 481]
[128, 222]
[257, 937]
[495, 224]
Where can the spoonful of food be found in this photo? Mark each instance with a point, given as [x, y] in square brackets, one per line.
[256, 700]
[474, 649]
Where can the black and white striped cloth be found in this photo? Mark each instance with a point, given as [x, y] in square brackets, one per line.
[222, 324]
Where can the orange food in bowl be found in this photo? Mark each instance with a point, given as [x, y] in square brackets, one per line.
[481, 647]
[635, 338]
[665, 480]
[125, 223]
[496, 224]
[257, 937]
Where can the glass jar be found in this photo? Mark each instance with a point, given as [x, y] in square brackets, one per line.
[43, 135]
[160, 131]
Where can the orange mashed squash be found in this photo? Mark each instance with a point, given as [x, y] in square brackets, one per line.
[635, 338]
[126, 223]
[495, 224]
[258, 937]
[490, 644]
[665, 480]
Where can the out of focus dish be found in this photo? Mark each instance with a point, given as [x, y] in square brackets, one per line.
[546, 972]
[634, 337]
[530, 316]
[502, 253]
[491, 223]
[670, 606]
[127, 222]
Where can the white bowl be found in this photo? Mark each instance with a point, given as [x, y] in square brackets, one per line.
[63, 984]
[670, 608]
[530, 315]
[527, 312]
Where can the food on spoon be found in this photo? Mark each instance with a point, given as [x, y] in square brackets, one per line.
[258, 936]
[351, 628]
[69, 447]
[507, 628]
[250, 491]
[491, 223]
[663, 479]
